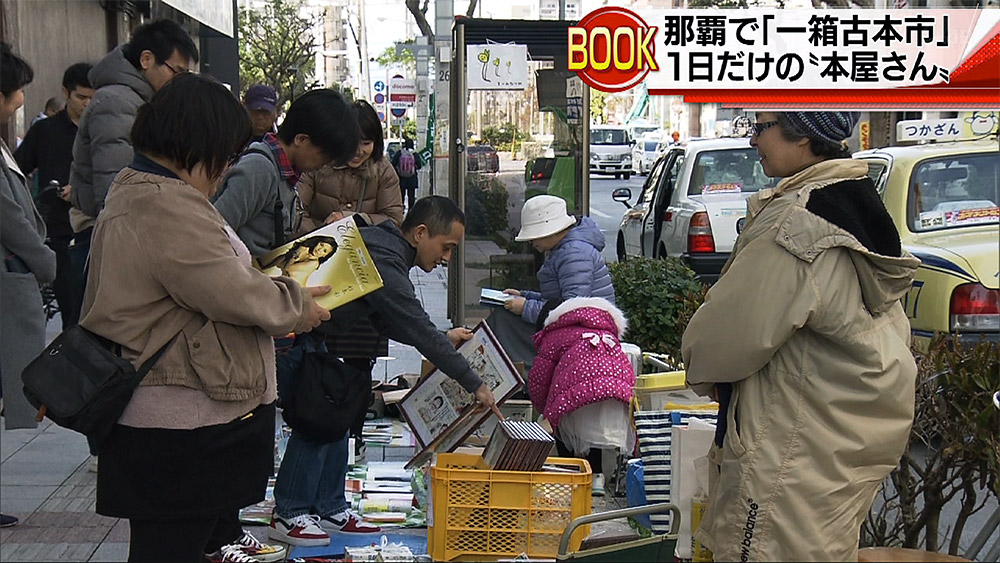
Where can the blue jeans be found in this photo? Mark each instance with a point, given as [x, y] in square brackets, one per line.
[311, 477]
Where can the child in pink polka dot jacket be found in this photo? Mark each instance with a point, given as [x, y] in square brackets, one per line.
[582, 380]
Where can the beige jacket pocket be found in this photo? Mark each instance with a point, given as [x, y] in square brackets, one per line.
[226, 361]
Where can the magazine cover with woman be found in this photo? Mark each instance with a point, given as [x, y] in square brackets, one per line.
[332, 255]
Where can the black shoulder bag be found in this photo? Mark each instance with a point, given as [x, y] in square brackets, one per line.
[81, 384]
[326, 397]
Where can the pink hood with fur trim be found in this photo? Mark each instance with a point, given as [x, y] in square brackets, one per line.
[580, 359]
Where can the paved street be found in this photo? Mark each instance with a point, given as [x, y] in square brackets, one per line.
[608, 212]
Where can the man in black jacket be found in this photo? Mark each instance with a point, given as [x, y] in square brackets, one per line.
[431, 230]
[310, 503]
[47, 150]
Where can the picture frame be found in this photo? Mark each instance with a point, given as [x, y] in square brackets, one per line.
[441, 413]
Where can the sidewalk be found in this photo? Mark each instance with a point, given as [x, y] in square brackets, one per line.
[44, 479]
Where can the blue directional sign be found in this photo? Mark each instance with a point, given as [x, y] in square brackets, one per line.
[379, 86]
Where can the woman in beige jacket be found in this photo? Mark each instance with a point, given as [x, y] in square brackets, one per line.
[195, 443]
[369, 188]
[366, 186]
[815, 377]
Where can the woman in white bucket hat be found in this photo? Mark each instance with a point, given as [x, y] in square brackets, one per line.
[573, 267]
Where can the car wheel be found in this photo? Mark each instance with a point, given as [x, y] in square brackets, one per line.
[618, 176]
[627, 175]
[621, 248]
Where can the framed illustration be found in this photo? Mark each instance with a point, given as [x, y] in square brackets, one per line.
[442, 413]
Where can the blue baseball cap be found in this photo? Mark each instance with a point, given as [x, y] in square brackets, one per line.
[260, 96]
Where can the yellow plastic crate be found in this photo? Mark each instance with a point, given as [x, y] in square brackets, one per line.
[481, 515]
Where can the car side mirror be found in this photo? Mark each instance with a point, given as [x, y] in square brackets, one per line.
[622, 195]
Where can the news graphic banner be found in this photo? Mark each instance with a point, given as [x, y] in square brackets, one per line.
[771, 58]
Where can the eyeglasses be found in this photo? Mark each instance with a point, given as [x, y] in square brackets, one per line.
[759, 128]
[174, 70]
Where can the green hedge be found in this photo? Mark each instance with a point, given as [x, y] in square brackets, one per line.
[658, 296]
[486, 213]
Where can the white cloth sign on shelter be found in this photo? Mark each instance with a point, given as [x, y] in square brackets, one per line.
[496, 67]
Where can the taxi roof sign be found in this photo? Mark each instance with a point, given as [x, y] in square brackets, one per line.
[970, 125]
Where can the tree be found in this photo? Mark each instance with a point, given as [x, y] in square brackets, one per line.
[389, 57]
[419, 12]
[598, 105]
[277, 49]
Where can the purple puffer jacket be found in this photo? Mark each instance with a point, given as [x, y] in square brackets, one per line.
[574, 268]
[580, 360]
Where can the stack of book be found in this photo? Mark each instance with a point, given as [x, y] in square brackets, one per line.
[517, 445]
[493, 297]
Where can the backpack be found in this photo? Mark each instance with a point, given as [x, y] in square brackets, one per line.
[278, 211]
[407, 164]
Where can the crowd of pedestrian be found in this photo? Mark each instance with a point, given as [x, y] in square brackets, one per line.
[148, 191]
[145, 200]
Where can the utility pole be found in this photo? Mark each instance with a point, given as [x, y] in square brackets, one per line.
[444, 16]
[366, 88]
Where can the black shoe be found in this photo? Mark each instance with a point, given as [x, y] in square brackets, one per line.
[6, 520]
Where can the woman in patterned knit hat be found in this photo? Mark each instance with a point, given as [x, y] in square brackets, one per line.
[807, 346]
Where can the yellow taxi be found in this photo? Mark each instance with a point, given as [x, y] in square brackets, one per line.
[943, 199]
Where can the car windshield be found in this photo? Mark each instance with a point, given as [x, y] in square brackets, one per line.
[650, 146]
[608, 137]
[954, 191]
[638, 131]
[480, 148]
[728, 170]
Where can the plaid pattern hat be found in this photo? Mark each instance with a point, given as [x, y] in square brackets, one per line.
[831, 126]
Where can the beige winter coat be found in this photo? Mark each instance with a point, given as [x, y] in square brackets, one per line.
[162, 265]
[806, 321]
[371, 190]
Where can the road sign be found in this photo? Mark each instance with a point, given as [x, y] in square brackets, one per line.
[398, 112]
[380, 98]
[381, 116]
[402, 92]
[379, 85]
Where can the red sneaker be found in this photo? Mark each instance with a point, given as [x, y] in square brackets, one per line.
[347, 521]
[299, 530]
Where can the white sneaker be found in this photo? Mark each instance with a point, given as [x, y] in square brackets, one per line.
[300, 530]
[254, 549]
[598, 489]
[347, 521]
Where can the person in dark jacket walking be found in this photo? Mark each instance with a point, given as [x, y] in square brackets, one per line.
[573, 267]
[406, 162]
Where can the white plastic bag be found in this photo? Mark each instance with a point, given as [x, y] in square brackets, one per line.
[690, 443]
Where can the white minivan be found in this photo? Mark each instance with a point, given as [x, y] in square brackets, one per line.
[610, 150]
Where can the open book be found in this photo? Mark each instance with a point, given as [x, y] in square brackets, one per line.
[332, 255]
[493, 297]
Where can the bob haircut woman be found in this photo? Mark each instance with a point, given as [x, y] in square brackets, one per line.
[195, 442]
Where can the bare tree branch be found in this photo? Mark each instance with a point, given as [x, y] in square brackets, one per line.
[420, 16]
